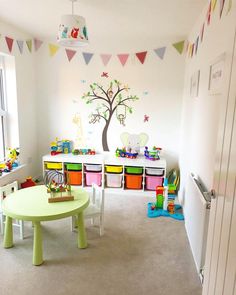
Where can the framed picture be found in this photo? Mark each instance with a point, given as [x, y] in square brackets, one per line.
[216, 75]
[194, 84]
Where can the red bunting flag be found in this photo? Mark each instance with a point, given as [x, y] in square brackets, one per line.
[123, 58]
[209, 14]
[9, 43]
[141, 56]
[70, 54]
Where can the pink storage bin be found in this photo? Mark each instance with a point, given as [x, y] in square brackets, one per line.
[153, 181]
[91, 178]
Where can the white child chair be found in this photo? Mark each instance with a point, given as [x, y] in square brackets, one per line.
[4, 191]
[95, 209]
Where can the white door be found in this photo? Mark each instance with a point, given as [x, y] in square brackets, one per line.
[220, 268]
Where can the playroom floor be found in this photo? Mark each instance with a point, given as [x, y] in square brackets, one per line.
[136, 256]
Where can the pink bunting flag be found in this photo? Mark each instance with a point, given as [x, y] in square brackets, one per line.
[70, 54]
[141, 56]
[9, 43]
[37, 44]
[209, 14]
[123, 58]
[222, 3]
[105, 58]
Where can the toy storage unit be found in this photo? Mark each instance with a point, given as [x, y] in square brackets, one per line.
[109, 171]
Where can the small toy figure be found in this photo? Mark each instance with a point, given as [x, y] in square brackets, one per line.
[171, 207]
[154, 154]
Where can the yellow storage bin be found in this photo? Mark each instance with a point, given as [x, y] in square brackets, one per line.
[113, 169]
[53, 165]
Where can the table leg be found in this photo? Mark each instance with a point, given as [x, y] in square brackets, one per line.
[38, 244]
[82, 239]
[8, 235]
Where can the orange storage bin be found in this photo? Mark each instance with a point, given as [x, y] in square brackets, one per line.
[133, 181]
[74, 177]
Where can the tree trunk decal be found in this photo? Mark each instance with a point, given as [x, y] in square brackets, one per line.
[114, 99]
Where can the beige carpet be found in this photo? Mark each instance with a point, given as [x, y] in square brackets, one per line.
[137, 255]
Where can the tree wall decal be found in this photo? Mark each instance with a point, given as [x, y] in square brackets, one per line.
[113, 99]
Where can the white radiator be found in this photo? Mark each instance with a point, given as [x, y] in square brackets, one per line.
[196, 212]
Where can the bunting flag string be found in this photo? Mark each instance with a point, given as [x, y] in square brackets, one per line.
[29, 45]
[52, 49]
[70, 53]
[20, 44]
[9, 43]
[141, 56]
[87, 57]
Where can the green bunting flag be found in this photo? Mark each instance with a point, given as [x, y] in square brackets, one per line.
[179, 46]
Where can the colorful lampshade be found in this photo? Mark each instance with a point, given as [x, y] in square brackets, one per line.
[72, 31]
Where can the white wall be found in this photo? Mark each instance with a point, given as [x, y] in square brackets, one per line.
[59, 83]
[201, 115]
[25, 82]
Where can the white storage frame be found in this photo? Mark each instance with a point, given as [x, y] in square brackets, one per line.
[108, 159]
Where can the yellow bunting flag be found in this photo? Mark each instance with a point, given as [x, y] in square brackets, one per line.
[179, 46]
[213, 4]
[52, 49]
[29, 45]
[229, 6]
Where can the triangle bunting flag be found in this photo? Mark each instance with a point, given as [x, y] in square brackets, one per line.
[123, 58]
[9, 43]
[229, 6]
[105, 58]
[20, 44]
[196, 45]
[213, 4]
[70, 54]
[52, 49]
[222, 3]
[179, 46]
[87, 57]
[209, 14]
[160, 52]
[141, 56]
[29, 45]
[202, 32]
[37, 44]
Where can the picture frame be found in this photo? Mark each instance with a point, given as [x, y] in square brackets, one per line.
[194, 84]
[216, 74]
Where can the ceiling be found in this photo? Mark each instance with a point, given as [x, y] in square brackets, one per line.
[116, 22]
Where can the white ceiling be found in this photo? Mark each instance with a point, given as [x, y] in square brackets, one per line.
[114, 21]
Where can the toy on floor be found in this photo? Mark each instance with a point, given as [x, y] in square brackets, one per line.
[165, 202]
[61, 147]
[28, 182]
[153, 154]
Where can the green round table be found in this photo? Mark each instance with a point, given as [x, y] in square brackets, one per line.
[31, 204]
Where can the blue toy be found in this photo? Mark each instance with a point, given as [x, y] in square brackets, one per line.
[155, 212]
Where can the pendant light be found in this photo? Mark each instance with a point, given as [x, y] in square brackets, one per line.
[72, 30]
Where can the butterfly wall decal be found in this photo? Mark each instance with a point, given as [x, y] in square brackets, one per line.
[146, 118]
[104, 74]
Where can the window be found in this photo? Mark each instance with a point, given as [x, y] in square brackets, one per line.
[3, 112]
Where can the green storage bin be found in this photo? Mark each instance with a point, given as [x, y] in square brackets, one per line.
[134, 170]
[73, 166]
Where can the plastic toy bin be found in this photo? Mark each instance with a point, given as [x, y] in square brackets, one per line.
[74, 177]
[73, 166]
[93, 177]
[133, 181]
[93, 167]
[134, 170]
[113, 169]
[53, 165]
[155, 171]
[113, 180]
[153, 181]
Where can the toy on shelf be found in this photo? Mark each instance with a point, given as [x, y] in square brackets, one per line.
[153, 154]
[77, 152]
[28, 182]
[58, 186]
[61, 147]
[123, 153]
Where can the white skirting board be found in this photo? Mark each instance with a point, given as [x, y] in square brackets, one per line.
[196, 214]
